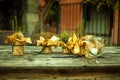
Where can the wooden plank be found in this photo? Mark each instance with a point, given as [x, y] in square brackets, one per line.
[116, 22]
[110, 58]
[115, 26]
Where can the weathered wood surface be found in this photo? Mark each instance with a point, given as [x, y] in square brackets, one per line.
[31, 59]
[58, 66]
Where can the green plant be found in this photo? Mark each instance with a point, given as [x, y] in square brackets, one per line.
[64, 36]
[80, 31]
[15, 26]
[114, 4]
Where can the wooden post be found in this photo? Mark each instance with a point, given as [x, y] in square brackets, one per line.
[115, 26]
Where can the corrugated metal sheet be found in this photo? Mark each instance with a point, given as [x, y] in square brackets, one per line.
[99, 24]
[71, 15]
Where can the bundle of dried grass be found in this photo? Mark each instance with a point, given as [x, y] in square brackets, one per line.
[47, 43]
[18, 40]
[85, 46]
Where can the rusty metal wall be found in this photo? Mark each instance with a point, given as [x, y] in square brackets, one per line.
[96, 23]
[70, 16]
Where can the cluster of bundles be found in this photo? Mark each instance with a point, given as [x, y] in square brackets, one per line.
[86, 46]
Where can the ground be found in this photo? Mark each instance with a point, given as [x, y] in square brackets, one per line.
[58, 66]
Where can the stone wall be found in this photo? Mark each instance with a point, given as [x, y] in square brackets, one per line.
[31, 15]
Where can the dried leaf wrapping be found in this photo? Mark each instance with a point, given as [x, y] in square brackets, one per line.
[47, 43]
[47, 50]
[76, 49]
[18, 40]
[74, 38]
[18, 50]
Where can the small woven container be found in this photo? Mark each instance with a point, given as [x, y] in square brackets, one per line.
[18, 50]
[47, 50]
[65, 50]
